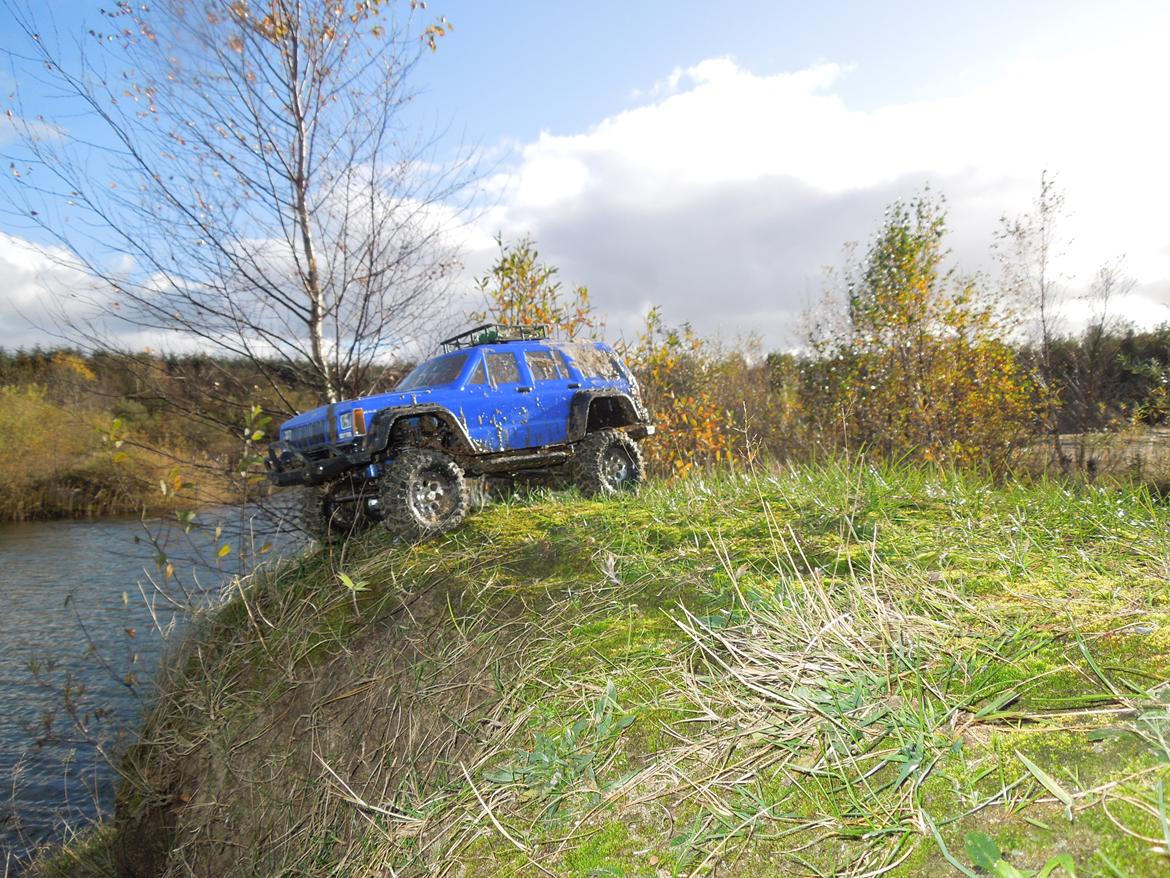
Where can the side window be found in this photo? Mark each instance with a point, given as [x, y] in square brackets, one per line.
[478, 376]
[543, 366]
[503, 369]
[563, 358]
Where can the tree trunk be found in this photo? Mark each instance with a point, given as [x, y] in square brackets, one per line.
[311, 275]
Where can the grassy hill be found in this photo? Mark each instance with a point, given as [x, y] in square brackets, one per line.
[814, 671]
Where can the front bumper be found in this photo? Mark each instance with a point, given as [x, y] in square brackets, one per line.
[287, 466]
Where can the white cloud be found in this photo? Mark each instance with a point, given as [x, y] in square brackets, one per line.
[48, 297]
[725, 194]
[722, 194]
[13, 127]
[31, 278]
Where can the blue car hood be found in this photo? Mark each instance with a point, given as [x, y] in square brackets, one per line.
[311, 429]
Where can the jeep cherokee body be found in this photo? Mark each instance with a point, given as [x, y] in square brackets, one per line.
[498, 400]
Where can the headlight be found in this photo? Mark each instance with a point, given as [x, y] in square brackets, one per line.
[346, 422]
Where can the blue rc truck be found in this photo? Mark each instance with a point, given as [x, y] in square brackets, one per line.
[499, 401]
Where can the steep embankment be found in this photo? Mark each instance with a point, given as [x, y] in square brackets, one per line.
[836, 671]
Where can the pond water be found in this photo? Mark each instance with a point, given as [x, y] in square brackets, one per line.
[80, 641]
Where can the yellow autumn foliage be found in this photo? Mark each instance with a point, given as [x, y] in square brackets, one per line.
[920, 366]
[57, 460]
[520, 290]
[678, 375]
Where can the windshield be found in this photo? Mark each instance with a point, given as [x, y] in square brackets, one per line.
[434, 373]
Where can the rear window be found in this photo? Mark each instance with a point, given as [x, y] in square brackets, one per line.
[543, 366]
[434, 373]
[593, 362]
[502, 369]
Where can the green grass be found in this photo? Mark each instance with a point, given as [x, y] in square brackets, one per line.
[833, 670]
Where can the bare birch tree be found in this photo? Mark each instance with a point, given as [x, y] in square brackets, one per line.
[1027, 247]
[252, 189]
[1098, 346]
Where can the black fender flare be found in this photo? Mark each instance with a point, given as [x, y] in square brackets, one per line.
[378, 436]
[583, 400]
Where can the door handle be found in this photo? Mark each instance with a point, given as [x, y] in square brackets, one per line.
[524, 390]
[574, 386]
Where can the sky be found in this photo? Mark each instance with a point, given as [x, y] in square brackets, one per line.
[715, 159]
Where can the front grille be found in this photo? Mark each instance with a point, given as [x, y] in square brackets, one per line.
[307, 435]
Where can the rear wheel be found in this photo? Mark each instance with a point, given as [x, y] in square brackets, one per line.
[424, 493]
[607, 462]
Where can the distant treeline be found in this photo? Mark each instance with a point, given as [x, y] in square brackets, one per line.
[106, 433]
[906, 358]
[101, 433]
[718, 404]
[1109, 378]
[95, 434]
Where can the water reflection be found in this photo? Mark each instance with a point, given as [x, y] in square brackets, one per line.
[79, 643]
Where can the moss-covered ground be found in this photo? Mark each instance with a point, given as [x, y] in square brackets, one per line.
[833, 670]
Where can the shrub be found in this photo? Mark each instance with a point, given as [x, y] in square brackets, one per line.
[520, 290]
[918, 364]
[678, 372]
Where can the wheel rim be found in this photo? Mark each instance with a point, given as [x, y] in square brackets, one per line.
[434, 496]
[616, 468]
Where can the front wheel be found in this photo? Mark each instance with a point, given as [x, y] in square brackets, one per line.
[424, 493]
[332, 513]
[607, 462]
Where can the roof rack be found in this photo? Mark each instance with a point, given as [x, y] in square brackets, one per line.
[494, 333]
